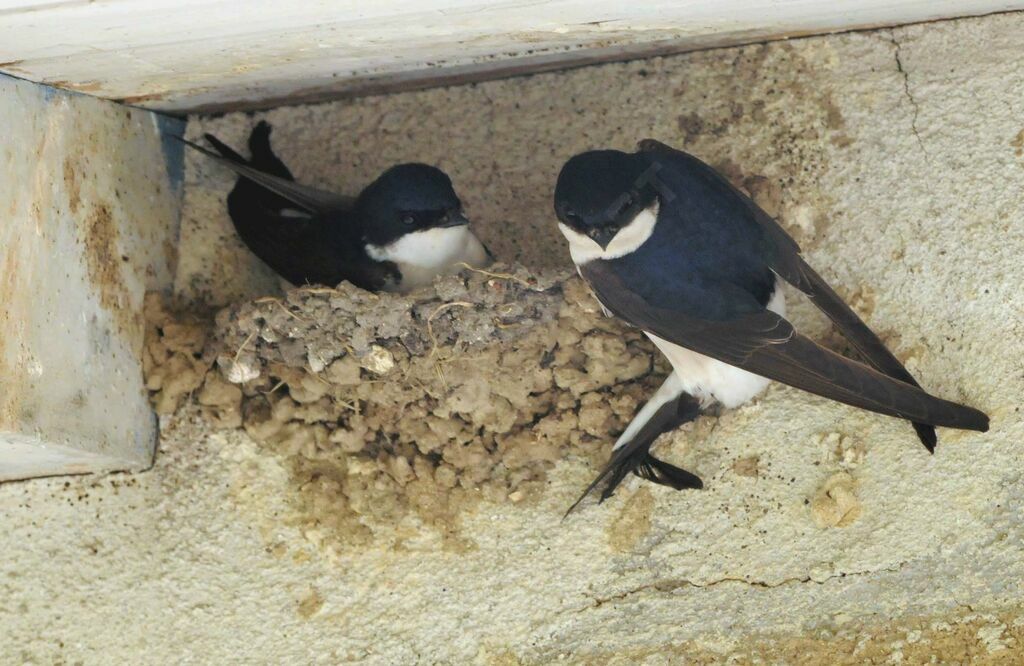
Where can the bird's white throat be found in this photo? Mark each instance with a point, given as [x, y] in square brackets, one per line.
[630, 237]
[423, 255]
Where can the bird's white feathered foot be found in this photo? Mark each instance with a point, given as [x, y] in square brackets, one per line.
[668, 408]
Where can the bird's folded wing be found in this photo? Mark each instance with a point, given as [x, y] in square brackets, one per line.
[799, 274]
[784, 258]
[316, 201]
[767, 345]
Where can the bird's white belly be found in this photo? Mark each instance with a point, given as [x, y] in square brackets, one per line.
[711, 380]
[423, 255]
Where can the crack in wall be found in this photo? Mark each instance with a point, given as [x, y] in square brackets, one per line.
[897, 48]
[669, 586]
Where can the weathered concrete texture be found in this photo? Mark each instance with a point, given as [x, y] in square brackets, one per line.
[177, 57]
[90, 217]
[896, 159]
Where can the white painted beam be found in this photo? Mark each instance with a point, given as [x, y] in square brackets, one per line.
[200, 54]
[88, 223]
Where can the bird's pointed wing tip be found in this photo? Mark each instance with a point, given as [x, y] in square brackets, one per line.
[193, 144]
[178, 137]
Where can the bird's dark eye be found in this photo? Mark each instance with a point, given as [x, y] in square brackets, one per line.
[574, 219]
[627, 203]
[408, 219]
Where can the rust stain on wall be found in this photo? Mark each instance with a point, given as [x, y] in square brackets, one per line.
[7, 280]
[85, 86]
[13, 67]
[104, 263]
[1018, 144]
[139, 99]
[72, 184]
[12, 374]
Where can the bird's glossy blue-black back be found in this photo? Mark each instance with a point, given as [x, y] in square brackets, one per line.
[706, 256]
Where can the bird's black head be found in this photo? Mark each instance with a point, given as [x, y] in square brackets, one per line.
[601, 191]
[407, 198]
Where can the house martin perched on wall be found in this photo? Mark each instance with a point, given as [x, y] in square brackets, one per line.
[671, 247]
[403, 229]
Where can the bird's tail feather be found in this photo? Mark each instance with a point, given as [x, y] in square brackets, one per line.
[251, 199]
[263, 156]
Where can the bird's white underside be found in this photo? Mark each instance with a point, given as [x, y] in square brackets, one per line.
[423, 255]
[705, 378]
[711, 380]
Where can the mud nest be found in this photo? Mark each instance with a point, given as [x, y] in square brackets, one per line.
[390, 409]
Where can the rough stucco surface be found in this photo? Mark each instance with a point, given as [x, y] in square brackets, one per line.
[824, 535]
[88, 225]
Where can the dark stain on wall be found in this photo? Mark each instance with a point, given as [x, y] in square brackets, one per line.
[106, 265]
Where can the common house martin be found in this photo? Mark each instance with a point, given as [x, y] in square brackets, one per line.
[668, 245]
[398, 234]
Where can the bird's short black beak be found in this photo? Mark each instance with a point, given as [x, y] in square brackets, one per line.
[602, 235]
[454, 220]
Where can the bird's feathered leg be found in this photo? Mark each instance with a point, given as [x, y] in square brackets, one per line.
[668, 408]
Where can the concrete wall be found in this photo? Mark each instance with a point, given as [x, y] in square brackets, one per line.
[89, 195]
[824, 535]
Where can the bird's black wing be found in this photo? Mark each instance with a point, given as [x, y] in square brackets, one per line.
[783, 254]
[766, 344]
[311, 199]
[320, 247]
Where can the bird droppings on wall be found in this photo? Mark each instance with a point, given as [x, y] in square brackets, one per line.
[396, 411]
